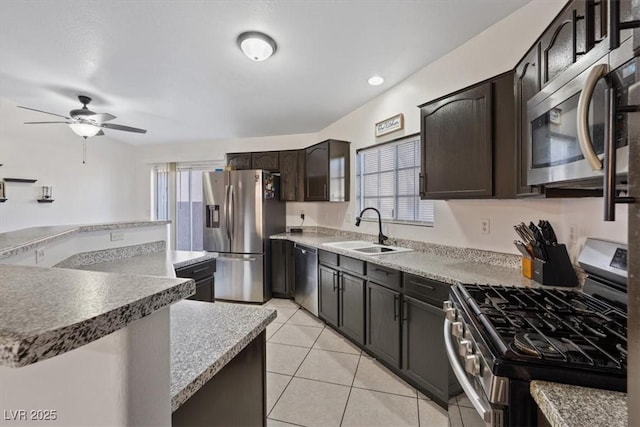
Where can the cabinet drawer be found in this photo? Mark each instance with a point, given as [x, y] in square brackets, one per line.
[204, 290]
[328, 258]
[353, 265]
[425, 289]
[383, 275]
[197, 271]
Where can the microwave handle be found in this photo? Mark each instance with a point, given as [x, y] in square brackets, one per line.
[584, 139]
[609, 184]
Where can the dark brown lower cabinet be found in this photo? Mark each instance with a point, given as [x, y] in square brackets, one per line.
[235, 396]
[383, 323]
[202, 273]
[204, 290]
[424, 358]
[351, 303]
[282, 268]
[328, 294]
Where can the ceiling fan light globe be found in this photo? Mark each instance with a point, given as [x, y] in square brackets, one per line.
[84, 129]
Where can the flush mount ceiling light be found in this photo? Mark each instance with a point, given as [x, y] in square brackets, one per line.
[257, 46]
[84, 129]
[375, 81]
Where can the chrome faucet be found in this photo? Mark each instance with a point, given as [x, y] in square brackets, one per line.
[381, 237]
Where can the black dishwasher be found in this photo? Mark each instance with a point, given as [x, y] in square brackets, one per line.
[306, 274]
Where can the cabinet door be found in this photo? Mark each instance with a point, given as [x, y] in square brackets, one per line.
[383, 323]
[239, 161]
[457, 149]
[267, 160]
[290, 268]
[204, 290]
[423, 353]
[317, 173]
[352, 306]
[564, 41]
[527, 84]
[278, 267]
[289, 175]
[328, 293]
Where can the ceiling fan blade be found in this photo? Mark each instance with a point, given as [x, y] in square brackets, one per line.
[101, 117]
[46, 112]
[121, 127]
[43, 123]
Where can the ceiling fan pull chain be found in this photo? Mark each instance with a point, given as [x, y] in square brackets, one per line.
[84, 150]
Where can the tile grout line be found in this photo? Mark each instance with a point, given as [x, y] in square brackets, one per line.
[346, 404]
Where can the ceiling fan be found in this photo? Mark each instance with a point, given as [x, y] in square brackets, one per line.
[85, 122]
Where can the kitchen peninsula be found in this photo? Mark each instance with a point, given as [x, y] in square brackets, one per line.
[108, 338]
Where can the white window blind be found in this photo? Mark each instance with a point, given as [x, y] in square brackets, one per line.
[387, 179]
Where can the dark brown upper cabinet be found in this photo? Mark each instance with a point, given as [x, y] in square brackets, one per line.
[266, 160]
[526, 85]
[239, 161]
[327, 172]
[467, 143]
[290, 172]
[564, 41]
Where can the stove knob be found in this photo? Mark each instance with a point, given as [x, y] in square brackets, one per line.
[451, 314]
[472, 364]
[465, 347]
[457, 329]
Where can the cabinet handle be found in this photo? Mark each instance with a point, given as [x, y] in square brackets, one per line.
[325, 191]
[405, 310]
[574, 26]
[396, 299]
[413, 282]
[421, 183]
[382, 271]
[335, 286]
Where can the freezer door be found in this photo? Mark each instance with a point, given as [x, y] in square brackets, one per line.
[239, 277]
[215, 188]
[246, 211]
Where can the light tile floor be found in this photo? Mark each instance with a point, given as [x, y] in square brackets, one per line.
[315, 377]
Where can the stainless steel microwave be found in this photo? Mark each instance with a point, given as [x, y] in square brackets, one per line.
[571, 129]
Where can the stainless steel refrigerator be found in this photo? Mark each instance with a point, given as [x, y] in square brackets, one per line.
[242, 209]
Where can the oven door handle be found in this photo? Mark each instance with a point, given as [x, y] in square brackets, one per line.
[458, 370]
[584, 138]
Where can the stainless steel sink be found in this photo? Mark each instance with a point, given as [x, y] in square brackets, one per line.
[368, 248]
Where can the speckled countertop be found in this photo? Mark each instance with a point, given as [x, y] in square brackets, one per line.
[198, 353]
[153, 264]
[444, 268]
[45, 312]
[20, 241]
[572, 406]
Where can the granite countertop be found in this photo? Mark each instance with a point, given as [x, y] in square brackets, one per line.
[153, 264]
[45, 312]
[442, 267]
[567, 405]
[20, 241]
[198, 353]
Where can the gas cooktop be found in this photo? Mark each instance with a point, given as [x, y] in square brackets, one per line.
[551, 327]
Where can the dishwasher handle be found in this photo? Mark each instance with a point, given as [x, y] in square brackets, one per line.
[305, 249]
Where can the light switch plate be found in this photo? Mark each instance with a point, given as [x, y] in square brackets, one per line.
[117, 235]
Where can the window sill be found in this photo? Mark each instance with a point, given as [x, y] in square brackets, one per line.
[396, 221]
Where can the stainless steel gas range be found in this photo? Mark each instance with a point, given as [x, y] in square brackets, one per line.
[500, 338]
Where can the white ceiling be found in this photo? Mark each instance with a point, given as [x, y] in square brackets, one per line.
[173, 67]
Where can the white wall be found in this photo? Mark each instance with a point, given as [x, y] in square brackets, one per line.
[101, 190]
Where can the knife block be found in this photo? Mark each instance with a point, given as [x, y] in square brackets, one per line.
[557, 271]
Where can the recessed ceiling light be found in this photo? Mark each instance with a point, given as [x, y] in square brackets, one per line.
[375, 80]
[257, 46]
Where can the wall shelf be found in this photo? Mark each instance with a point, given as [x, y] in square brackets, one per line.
[26, 180]
[45, 200]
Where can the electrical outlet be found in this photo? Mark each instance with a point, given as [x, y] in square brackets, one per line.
[39, 255]
[485, 226]
[573, 236]
[117, 235]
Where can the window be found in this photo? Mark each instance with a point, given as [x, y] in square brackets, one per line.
[161, 173]
[387, 178]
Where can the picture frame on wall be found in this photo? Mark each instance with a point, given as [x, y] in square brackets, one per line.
[392, 124]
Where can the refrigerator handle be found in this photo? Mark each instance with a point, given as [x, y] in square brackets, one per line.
[233, 209]
[227, 210]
